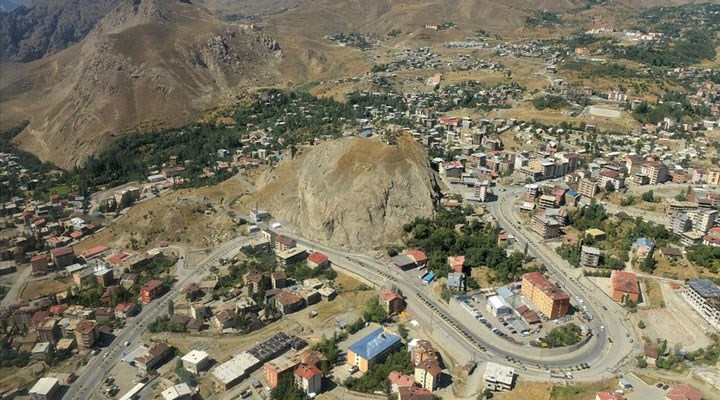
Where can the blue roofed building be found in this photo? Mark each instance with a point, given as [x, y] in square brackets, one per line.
[644, 246]
[372, 349]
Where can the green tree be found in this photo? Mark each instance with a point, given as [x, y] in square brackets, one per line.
[641, 324]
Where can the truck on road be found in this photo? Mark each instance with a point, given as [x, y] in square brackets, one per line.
[428, 278]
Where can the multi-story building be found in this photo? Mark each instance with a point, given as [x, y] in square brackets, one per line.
[86, 334]
[308, 378]
[279, 368]
[62, 257]
[498, 377]
[372, 349]
[546, 227]
[589, 256]
[44, 389]
[391, 302]
[587, 188]
[548, 298]
[49, 331]
[427, 374]
[713, 177]
[480, 190]
[704, 296]
[613, 177]
[680, 223]
[155, 356]
[196, 361]
[702, 220]
[40, 264]
[151, 290]
[656, 172]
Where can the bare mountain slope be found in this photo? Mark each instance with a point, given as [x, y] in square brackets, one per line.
[147, 61]
[30, 32]
[352, 192]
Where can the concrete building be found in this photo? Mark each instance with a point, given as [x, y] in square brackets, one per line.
[290, 256]
[587, 188]
[427, 374]
[589, 256]
[498, 377]
[656, 172]
[546, 227]
[549, 299]
[704, 297]
[151, 290]
[625, 286]
[372, 349]
[155, 356]
[62, 257]
[196, 361]
[44, 389]
[279, 368]
[308, 378]
[497, 306]
[391, 301]
[86, 334]
[177, 392]
[702, 220]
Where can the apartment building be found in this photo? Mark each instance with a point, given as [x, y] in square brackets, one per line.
[703, 295]
[549, 299]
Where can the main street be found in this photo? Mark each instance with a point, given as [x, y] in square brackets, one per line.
[99, 366]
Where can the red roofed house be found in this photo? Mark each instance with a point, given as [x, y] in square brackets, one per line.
[125, 310]
[94, 252]
[418, 256]
[62, 257]
[625, 286]
[456, 263]
[608, 396]
[151, 290]
[684, 392]
[399, 380]
[392, 302]
[427, 374]
[414, 393]
[308, 378]
[118, 258]
[317, 260]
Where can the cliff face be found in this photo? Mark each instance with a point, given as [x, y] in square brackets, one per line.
[353, 193]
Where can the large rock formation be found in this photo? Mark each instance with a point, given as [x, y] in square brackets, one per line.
[354, 193]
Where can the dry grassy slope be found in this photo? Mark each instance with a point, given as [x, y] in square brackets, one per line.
[351, 192]
[158, 61]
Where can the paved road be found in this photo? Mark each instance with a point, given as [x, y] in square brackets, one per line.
[604, 355]
[99, 367]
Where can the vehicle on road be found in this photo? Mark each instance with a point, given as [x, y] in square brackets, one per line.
[127, 343]
[429, 278]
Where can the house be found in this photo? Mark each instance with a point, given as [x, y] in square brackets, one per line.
[196, 361]
[671, 253]
[414, 393]
[644, 246]
[177, 392]
[456, 263]
[625, 286]
[608, 396]
[151, 290]
[595, 234]
[313, 357]
[224, 319]
[308, 378]
[288, 302]
[44, 389]
[399, 380]
[498, 377]
[279, 279]
[245, 305]
[650, 353]
[456, 281]
[318, 260]
[372, 349]
[391, 301]
[279, 368]
[427, 374]
[684, 391]
[156, 355]
[125, 310]
[39, 264]
[403, 262]
[418, 256]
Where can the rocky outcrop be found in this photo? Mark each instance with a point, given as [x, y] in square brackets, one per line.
[354, 193]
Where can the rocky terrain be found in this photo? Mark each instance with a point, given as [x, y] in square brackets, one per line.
[353, 192]
[30, 32]
[147, 62]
